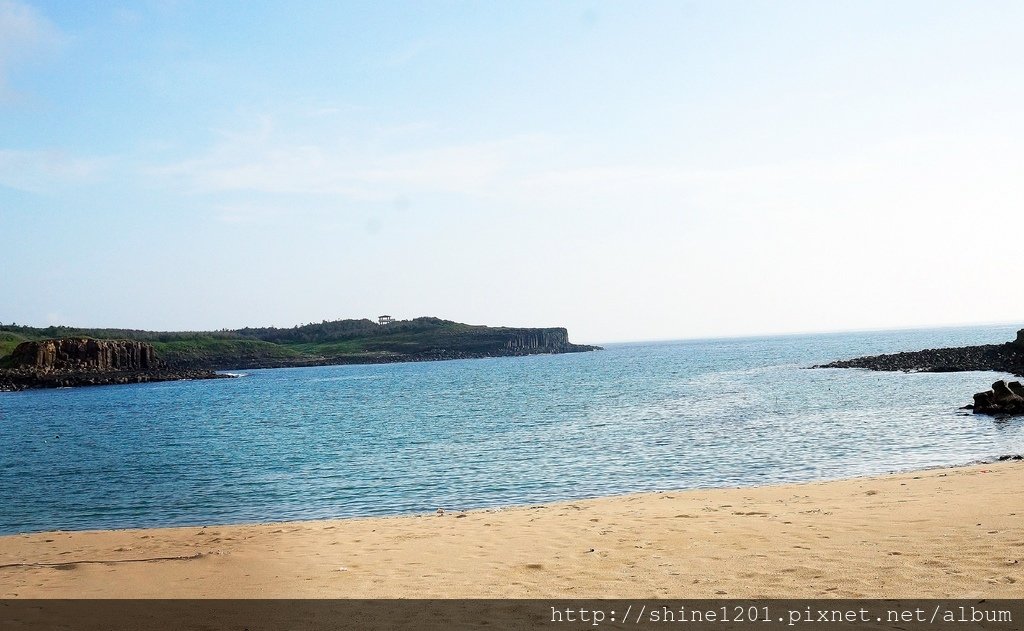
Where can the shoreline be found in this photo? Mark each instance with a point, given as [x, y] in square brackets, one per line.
[517, 506]
[18, 380]
[940, 532]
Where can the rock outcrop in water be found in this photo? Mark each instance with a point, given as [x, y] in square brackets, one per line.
[1004, 399]
[67, 362]
[1007, 357]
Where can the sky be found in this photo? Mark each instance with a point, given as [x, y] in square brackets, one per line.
[629, 170]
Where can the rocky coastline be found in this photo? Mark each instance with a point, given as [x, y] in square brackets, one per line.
[383, 357]
[328, 343]
[72, 362]
[17, 379]
[63, 357]
[1007, 358]
[1004, 399]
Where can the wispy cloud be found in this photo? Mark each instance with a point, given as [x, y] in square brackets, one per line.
[261, 160]
[265, 171]
[912, 177]
[43, 171]
[23, 32]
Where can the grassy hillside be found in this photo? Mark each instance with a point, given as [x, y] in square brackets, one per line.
[339, 341]
[8, 341]
[214, 351]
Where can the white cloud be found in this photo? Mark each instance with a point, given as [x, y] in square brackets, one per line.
[922, 177]
[918, 187]
[42, 171]
[23, 32]
[265, 161]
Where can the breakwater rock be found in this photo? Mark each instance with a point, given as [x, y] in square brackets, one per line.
[1004, 399]
[1007, 357]
[69, 362]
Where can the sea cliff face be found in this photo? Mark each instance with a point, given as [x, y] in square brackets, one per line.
[61, 349]
[85, 354]
[67, 362]
[553, 340]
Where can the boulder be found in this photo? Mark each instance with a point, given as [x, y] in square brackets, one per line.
[1004, 399]
[1020, 339]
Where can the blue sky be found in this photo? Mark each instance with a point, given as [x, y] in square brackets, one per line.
[646, 170]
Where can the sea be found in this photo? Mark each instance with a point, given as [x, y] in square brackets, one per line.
[356, 441]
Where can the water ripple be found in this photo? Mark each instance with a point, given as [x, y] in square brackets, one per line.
[372, 440]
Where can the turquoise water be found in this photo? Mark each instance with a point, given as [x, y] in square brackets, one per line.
[339, 441]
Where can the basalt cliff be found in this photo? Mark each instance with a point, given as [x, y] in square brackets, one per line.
[65, 362]
[50, 355]
[85, 354]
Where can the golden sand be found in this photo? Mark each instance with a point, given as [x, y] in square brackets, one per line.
[937, 533]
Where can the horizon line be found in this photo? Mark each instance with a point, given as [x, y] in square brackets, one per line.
[727, 336]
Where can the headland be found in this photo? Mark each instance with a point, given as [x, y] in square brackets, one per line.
[68, 362]
[60, 356]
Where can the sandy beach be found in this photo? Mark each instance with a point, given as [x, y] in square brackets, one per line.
[936, 533]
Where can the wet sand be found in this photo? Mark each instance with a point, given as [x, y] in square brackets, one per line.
[937, 533]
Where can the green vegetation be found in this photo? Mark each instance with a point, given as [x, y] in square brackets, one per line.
[8, 341]
[339, 341]
[210, 351]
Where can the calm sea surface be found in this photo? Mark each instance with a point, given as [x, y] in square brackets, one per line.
[336, 441]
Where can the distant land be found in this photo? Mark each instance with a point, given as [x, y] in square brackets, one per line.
[190, 355]
[1004, 399]
[1008, 357]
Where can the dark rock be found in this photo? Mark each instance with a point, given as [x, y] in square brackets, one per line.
[85, 354]
[994, 358]
[1016, 388]
[1010, 457]
[71, 362]
[15, 379]
[1006, 358]
[1004, 399]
